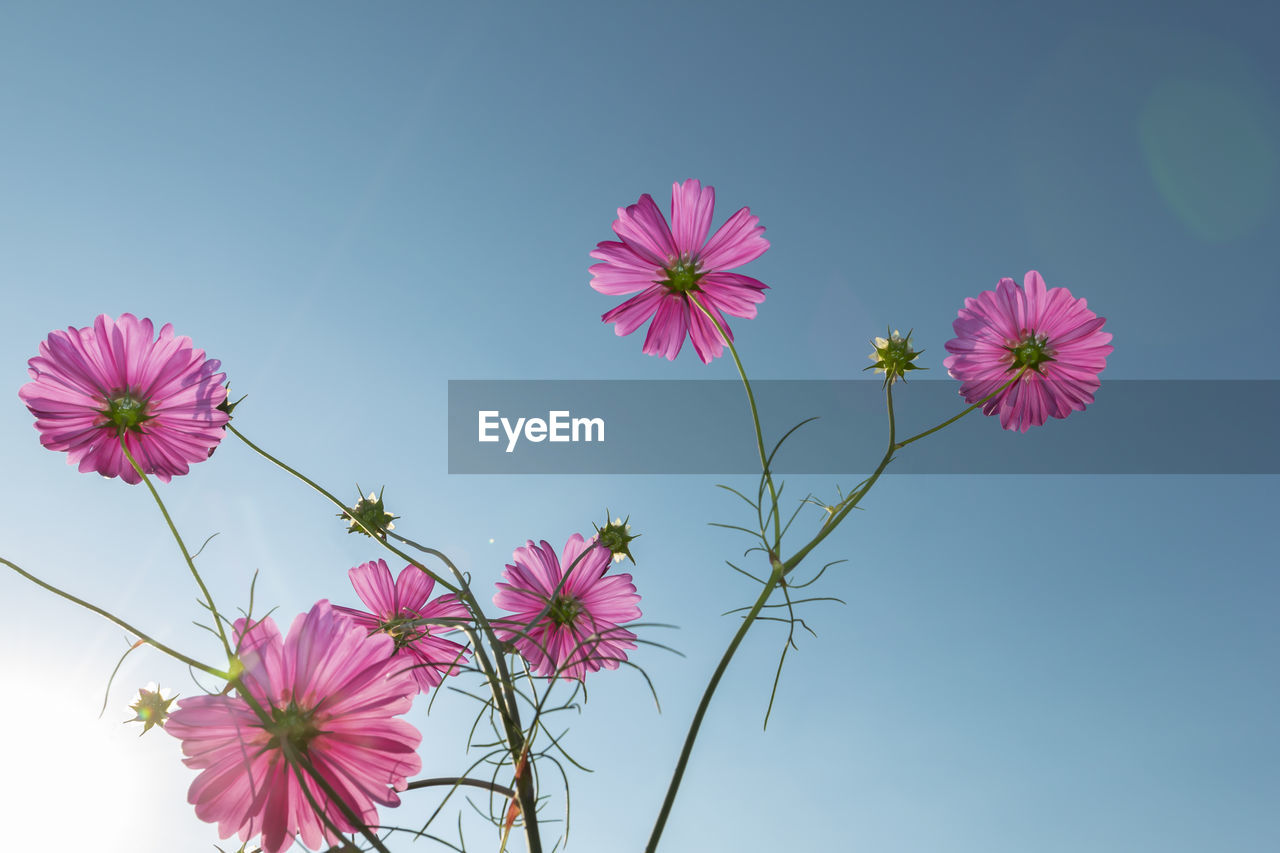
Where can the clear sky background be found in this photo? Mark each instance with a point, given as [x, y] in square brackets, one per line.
[351, 205]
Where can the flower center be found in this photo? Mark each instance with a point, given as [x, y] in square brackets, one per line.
[126, 412]
[402, 630]
[682, 276]
[292, 725]
[1031, 352]
[564, 609]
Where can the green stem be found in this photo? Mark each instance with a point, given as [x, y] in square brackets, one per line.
[495, 670]
[780, 570]
[774, 579]
[776, 576]
[783, 568]
[949, 421]
[851, 502]
[503, 689]
[504, 699]
[191, 662]
[340, 505]
[182, 546]
[755, 420]
[458, 782]
[300, 764]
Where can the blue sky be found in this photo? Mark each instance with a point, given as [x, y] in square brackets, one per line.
[350, 207]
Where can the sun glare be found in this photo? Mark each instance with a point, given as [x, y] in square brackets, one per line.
[70, 780]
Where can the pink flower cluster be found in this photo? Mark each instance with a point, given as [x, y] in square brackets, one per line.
[312, 727]
[310, 741]
[1045, 337]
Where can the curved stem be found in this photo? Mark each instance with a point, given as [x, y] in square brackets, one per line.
[182, 546]
[755, 420]
[340, 505]
[494, 670]
[851, 502]
[300, 764]
[217, 673]
[503, 689]
[460, 781]
[950, 421]
[774, 579]
[780, 570]
[776, 575]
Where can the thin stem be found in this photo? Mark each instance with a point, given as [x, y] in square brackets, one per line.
[755, 420]
[504, 699]
[783, 568]
[950, 421]
[460, 781]
[776, 576]
[774, 579]
[426, 549]
[182, 546]
[340, 505]
[300, 764]
[495, 671]
[519, 741]
[527, 796]
[217, 673]
[851, 502]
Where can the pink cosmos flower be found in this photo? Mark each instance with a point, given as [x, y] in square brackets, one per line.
[581, 631]
[395, 605]
[91, 386]
[670, 267]
[1055, 336]
[332, 691]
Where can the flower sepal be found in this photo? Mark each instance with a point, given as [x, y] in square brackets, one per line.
[369, 516]
[893, 356]
[152, 707]
[617, 538]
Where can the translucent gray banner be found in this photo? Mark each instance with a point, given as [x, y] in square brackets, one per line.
[704, 427]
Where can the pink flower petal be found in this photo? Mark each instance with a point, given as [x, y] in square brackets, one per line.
[372, 582]
[667, 331]
[633, 313]
[643, 228]
[732, 293]
[706, 338]
[737, 242]
[691, 209]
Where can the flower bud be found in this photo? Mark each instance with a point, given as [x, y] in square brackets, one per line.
[616, 536]
[893, 356]
[152, 707]
[369, 517]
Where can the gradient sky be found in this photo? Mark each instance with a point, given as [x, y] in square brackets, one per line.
[350, 206]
